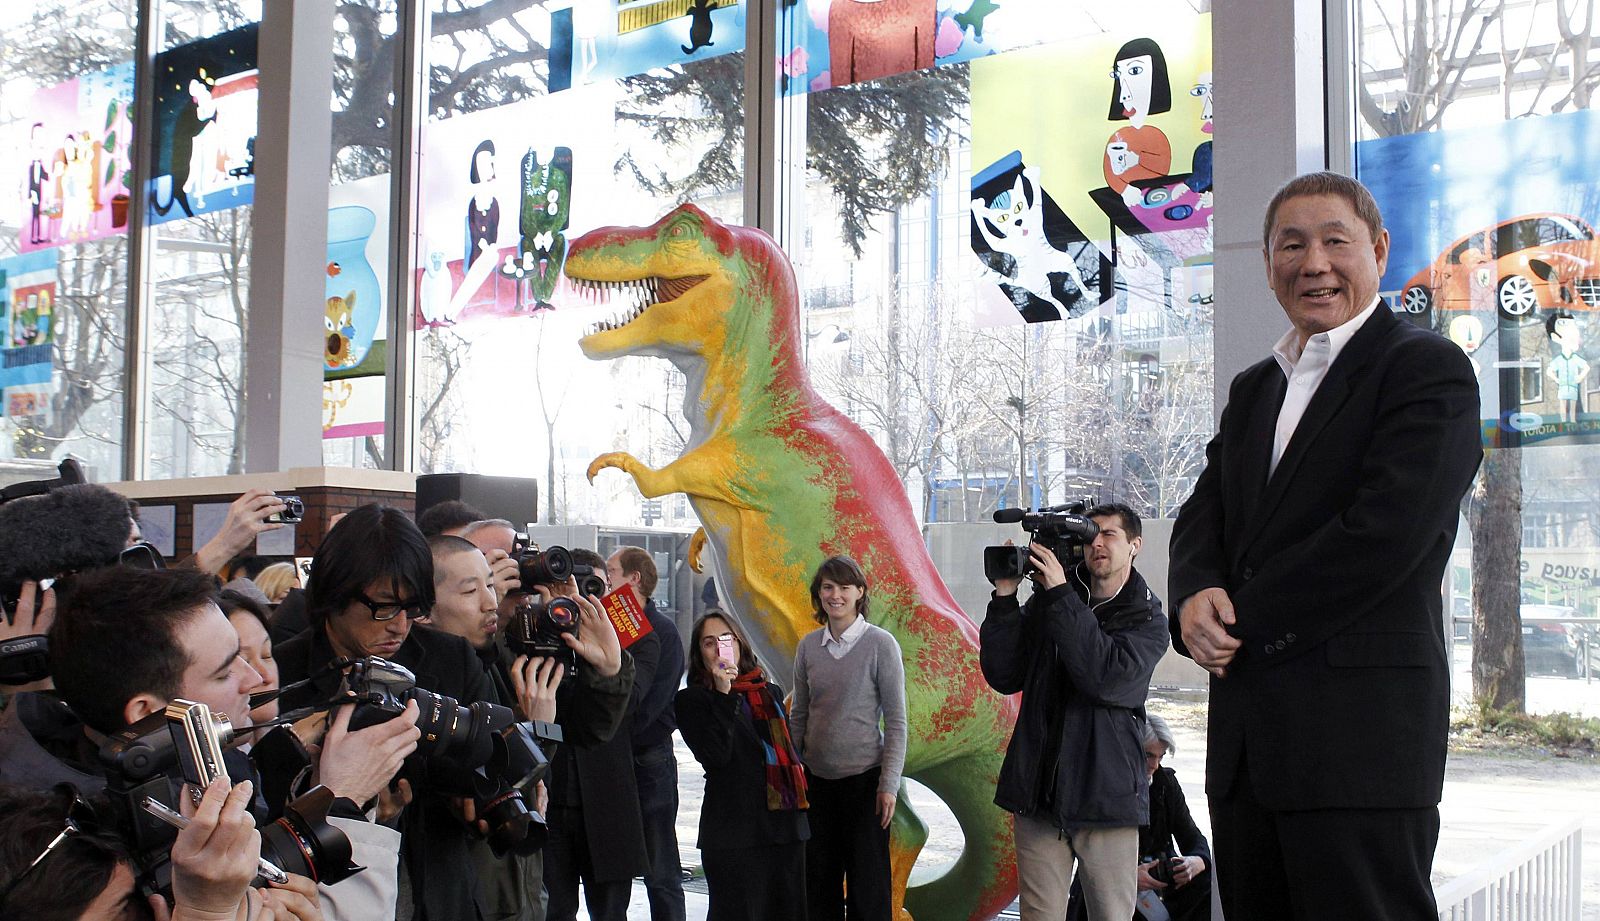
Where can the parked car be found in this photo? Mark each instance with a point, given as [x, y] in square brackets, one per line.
[1551, 649]
[1537, 261]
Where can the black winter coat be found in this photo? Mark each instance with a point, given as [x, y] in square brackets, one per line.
[724, 741]
[1076, 757]
[432, 837]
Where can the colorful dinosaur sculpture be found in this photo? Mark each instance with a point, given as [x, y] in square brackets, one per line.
[781, 480]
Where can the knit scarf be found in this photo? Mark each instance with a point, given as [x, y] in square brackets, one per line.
[786, 777]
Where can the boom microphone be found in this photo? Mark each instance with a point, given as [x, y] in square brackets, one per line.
[1009, 515]
[67, 529]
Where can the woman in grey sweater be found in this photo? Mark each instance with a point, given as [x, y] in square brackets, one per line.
[848, 721]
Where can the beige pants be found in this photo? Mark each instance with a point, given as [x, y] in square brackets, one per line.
[1108, 857]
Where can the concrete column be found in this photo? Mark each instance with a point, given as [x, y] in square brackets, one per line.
[289, 249]
[1271, 118]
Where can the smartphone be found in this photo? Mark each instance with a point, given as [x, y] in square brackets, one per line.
[725, 651]
[198, 737]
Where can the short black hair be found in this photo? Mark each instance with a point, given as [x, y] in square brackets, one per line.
[589, 558]
[1550, 321]
[1131, 523]
[374, 543]
[77, 871]
[116, 636]
[443, 546]
[447, 516]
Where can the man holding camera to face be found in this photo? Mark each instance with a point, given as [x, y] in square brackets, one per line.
[1081, 651]
[466, 605]
[126, 643]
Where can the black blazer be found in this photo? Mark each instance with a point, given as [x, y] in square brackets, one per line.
[1340, 695]
[734, 813]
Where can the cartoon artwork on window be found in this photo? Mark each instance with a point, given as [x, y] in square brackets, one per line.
[595, 41]
[355, 343]
[1498, 253]
[205, 126]
[515, 185]
[1145, 224]
[72, 149]
[1045, 265]
[838, 42]
[27, 309]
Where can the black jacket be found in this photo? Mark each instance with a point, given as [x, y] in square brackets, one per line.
[653, 721]
[1076, 757]
[432, 837]
[1340, 696]
[1171, 823]
[599, 780]
[734, 813]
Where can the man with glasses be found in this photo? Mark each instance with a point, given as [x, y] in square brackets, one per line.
[371, 578]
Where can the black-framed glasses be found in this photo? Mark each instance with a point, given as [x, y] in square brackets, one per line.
[80, 820]
[388, 610]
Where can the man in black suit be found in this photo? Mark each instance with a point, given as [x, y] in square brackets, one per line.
[1306, 569]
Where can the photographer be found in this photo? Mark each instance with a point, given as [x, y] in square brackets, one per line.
[126, 643]
[373, 576]
[249, 516]
[58, 862]
[596, 832]
[589, 713]
[1081, 651]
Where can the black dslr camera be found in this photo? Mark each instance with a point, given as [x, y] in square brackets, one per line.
[537, 626]
[151, 758]
[1064, 529]
[477, 750]
[1163, 866]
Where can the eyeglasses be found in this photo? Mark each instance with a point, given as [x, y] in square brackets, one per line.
[1154, 756]
[710, 640]
[80, 820]
[387, 610]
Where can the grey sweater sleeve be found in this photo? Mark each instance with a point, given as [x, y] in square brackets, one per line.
[800, 701]
[892, 698]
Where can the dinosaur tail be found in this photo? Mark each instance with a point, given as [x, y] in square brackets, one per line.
[984, 879]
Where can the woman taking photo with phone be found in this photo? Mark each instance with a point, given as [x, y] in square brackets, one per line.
[849, 724]
[753, 818]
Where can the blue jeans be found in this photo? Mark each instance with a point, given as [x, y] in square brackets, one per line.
[656, 772]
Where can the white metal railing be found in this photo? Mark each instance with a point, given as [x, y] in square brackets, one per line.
[1540, 879]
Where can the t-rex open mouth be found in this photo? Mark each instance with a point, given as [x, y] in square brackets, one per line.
[645, 293]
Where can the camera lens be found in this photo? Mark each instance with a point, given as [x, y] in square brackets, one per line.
[545, 567]
[563, 612]
[303, 842]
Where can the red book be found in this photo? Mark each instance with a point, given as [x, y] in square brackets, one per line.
[626, 614]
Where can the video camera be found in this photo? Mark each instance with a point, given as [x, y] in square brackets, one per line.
[1064, 529]
[478, 750]
[147, 760]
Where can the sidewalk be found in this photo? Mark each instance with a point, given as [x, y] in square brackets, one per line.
[1490, 802]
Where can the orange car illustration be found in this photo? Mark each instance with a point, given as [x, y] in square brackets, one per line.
[1537, 261]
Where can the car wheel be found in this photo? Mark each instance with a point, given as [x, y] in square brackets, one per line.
[1517, 296]
[1416, 299]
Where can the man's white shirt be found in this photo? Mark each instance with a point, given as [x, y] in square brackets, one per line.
[1304, 371]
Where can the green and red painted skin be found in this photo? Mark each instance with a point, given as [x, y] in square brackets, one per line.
[781, 480]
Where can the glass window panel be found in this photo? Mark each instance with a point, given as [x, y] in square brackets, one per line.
[914, 322]
[65, 136]
[199, 310]
[545, 122]
[1477, 143]
[356, 342]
